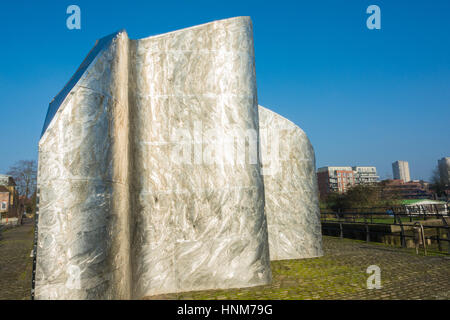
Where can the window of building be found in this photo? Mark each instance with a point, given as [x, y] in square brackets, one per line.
[3, 205]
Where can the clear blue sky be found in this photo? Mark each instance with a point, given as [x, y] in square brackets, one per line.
[364, 97]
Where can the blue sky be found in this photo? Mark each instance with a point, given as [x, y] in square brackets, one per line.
[364, 97]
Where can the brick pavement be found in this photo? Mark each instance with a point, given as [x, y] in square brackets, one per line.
[339, 274]
[15, 262]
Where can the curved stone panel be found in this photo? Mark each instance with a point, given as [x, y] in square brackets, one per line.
[83, 234]
[291, 191]
[196, 225]
[150, 175]
[122, 213]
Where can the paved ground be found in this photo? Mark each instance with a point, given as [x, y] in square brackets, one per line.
[340, 274]
[15, 262]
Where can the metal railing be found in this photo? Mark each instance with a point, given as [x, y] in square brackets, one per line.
[421, 225]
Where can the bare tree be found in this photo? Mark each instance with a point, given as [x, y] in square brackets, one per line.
[24, 174]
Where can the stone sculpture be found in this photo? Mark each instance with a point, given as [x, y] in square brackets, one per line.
[290, 188]
[149, 172]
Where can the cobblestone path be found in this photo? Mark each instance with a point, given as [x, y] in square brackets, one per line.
[15, 262]
[341, 274]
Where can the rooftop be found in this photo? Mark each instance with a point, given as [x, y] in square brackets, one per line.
[6, 180]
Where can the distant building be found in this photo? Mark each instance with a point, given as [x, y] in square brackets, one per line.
[6, 180]
[334, 179]
[417, 189]
[9, 199]
[444, 170]
[400, 169]
[365, 175]
[340, 179]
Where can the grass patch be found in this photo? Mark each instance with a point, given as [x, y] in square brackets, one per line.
[315, 278]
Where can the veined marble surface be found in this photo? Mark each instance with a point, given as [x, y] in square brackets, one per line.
[291, 191]
[123, 215]
[83, 177]
[150, 171]
[195, 225]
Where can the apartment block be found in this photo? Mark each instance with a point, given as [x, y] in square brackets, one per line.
[400, 170]
[365, 175]
[340, 179]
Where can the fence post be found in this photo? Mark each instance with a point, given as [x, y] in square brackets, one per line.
[448, 239]
[341, 229]
[424, 240]
[424, 212]
[438, 239]
[402, 231]
[448, 234]
[367, 233]
[445, 226]
[395, 217]
[438, 229]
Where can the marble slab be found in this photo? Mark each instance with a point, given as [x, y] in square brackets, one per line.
[122, 215]
[158, 172]
[290, 188]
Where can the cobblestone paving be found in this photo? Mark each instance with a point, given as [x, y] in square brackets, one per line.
[15, 262]
[341, 274]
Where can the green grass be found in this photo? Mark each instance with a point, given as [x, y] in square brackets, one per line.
[316, 278]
